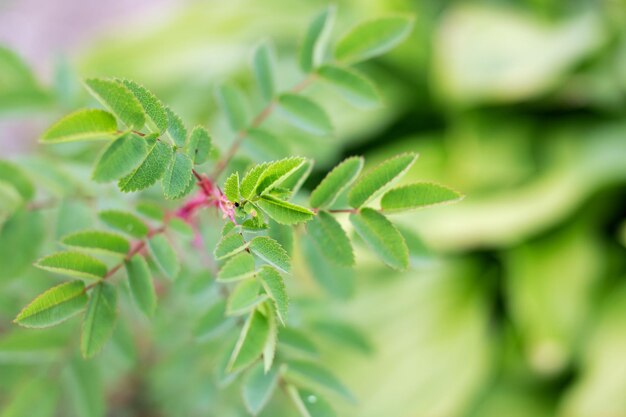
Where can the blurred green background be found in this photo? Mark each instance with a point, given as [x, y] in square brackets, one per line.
[516, 301]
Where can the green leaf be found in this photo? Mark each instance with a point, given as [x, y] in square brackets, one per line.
[269, 349]
[244, 298]
[238, 267]
[314, 376]
[42, 391]
[99, 320]
[331, 239]
[75, 264]
[85, 387]
[308, 403]
[20, 240]
[354, 87]
[212, 321]
[199, 145]
[336, 182]
[151, 168]
[258, 387]
[284, 212]
[304, 114]
[418, 195]
[251, 341]
[120, 158]
[231, 187]
[274, 286]
[251, 179]
[271, 252]
[86, 124]
[373, 38]
[378, 179]
[54, 306]
[262, 144]
[343, 334]
[382, 237]
[141, 285]
[16, 176]
[298, 342]
[152, 106]
[263, 65]
[118, 100]
[338, 281]
[276, 172]
[177, 176]
[176, 128]
[294, 181]
[151, 210]
[231, 101]
[164, 255]
[229, 245]
[10, 201]
[97, 241]
[315, 41]
[125, 222]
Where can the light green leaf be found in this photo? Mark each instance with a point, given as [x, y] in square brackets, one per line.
[213, 321]
[276, 172]
[86, 124]
[120, 158]
[54, 306]
[379, 179]
[75, 264]
[97, 241]
[164, 255]
[418, 195]
[337, 281]
[177, 176]
[354, 87]
[151, 169]
[231, 187]
[269, 350]
[336, 182]
[382, 237]
[176, 128]
[274, 286]
[284, 212]
[271, 252]
[264, 145]
[308, 403]
[244, 298]
[331, 239]
[238, 267]
[181, 226]
[141, 285]
[314, 376]
[99, 320]
[251, 179]
[294, 181]
[231, 101]
[297, 342]
[229, 245]
[315, 41]
[263, 65]
[258, 387]
[304, 114]
[151, 210]
[118, 100]
[373, 38]
[156, 117]
[251, 341]
[199, 145]
[16, 176]
[344, 334]
[125, 222]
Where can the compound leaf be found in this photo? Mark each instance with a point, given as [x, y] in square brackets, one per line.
[417, 195]
[141, 285]
[271, 252]
[54, 306]
[99, 320]
[86, 124]
[118, 100]
[74, 264]
[238, 267]
[304, 114]
[336, 181]
[251, 179]
[331, 239]
[120, 158]
[251, 342]
[152, 106]
[276, 172]
[229, 245]
[177, 176]
[151, 168]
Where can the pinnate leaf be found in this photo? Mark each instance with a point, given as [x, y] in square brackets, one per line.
[231, 101]
[354, 87]
[263, 65]
[284, 212]
[251, 342]
[164, 255]
[382, 237]
[372, 38]
[125, 222]
[86, 124]
[54, 306]
[245, 297]
[274, 286]
[74, 264]
[231, 187]
[151, 168]
[316, 39]
[97, 241]
[199, 145]
[331, 239]
[258, 388]
[118, 100]
[336, 181]
[99, 320]
[120, 158]
[156, 117]
[271, 252]
[177, 176]
[378, 179]
[238, 267]
[141, 285]
[176, 128]
[417, 195]
[304, 114]
[229, 245]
